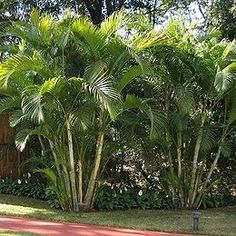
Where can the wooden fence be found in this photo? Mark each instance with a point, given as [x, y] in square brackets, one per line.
[10, 158]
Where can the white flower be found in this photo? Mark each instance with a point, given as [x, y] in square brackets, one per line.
[125, 189]
[3, 180]
[19, 181]
[120, 190]
[26, 181]
[29, 175]
[140, 193]
[112, 186]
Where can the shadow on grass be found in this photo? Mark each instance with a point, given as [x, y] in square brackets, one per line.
[23, 201]
[7, 233]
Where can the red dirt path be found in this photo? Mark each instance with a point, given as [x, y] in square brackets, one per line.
[52, 228]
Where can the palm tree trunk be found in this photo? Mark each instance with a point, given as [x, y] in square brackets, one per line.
[72, 167]
[194, 168]
[67, 181]
[179, 152]
[195, 160]
[213, 165]
[93, 177]
[167, 108]
[80, 181]
[54, 156]
[170, 161]
[43, 148]
[59, 172]
[196, 188]
[179, 158]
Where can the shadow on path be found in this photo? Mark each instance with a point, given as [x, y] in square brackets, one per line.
[58, 229]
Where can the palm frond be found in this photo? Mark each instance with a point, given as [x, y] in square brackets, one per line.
[83, 119]
[23, 136]
[232, 116]
[153, 114]
[88, 37]
[50, 174]
[32, 99]
[93, 72]
[39, 32]
[208, 139]
[228, 49]
[225, 78]
[226, 149]
[23, 64]
[157, 119]
[18, 117]
[185, 99]
[112, 23]
[148, 40]
[102, 89]
[132, 73]
[9, 103]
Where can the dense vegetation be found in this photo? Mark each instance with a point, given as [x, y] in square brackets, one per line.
[120, 109]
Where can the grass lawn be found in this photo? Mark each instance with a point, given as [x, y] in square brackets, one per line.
[221, 221]
[7, 233]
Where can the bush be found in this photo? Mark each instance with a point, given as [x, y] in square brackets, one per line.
[111, 198]
[34, 187]
[114, 198]
[26, 186]
[220, 195]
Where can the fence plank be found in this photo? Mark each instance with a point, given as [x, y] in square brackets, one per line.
[10, 158]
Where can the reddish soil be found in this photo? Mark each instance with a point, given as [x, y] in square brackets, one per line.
[41, 227]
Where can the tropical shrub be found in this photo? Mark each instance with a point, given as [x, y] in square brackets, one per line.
[63, 83]
[29, 187]
[89, 92]
[195, 93]
[126, 198]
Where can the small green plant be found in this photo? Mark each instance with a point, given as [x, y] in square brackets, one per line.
[26, 186]
[115, 198]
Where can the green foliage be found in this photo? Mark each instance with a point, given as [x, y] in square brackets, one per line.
[57, 188]
[121, 198]
[33, 187]
[223, 15]
[30, 187]
[88, 92]
[66, 73]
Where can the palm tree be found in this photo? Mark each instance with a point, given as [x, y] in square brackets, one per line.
[64, 82]
[189, 70]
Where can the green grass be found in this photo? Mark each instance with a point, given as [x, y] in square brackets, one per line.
[221, 221]
[7, 233]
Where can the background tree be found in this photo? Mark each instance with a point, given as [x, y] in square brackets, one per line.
[222, 14]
